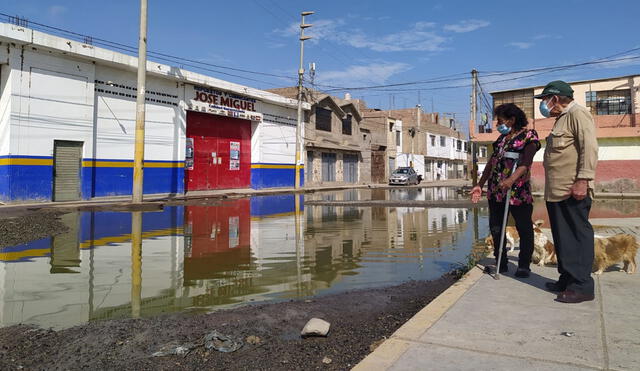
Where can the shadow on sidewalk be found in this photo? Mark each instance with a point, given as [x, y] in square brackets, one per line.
[534, 279]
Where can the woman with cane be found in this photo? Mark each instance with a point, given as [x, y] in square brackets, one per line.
[514, 138]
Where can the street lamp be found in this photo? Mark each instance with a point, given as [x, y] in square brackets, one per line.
[303, 26]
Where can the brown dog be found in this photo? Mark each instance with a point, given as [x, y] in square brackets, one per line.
[543, 250]
[615, 249]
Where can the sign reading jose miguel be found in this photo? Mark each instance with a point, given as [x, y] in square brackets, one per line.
[224, 103]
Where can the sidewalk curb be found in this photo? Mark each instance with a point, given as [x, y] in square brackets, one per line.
[393, 348]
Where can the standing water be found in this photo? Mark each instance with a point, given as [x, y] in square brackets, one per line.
[208, 256]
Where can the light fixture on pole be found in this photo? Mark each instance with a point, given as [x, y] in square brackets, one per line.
[303, 26]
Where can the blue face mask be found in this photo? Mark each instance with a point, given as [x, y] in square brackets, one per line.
[503, 129]
[544, 109]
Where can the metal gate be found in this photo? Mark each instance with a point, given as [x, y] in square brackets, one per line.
[328, 167]
[67, 159]
[377, 167]
[350, 168]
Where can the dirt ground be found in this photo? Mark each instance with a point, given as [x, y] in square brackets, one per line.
[358, 320]
[28, 225]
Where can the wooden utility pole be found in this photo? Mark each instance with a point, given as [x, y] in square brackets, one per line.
[138, 158]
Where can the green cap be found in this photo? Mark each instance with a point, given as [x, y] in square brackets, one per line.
[557, 87]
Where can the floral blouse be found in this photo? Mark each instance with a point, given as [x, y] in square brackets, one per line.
[501, 168]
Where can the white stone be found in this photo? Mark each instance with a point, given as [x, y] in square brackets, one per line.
[316, 327]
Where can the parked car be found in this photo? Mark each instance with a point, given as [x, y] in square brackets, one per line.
[404, 176]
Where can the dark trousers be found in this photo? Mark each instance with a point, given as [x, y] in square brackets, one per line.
[573, 240]
[522, 215]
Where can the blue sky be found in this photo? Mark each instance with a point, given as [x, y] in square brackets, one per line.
[363, 43]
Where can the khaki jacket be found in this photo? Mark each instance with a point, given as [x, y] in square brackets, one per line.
[571, 153]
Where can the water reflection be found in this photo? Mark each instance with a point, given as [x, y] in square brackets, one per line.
[202, 257]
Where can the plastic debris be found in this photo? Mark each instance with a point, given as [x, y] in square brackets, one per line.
[221, 343]
[213, 340]
[327, 360]
[173, 349]
[568, 334]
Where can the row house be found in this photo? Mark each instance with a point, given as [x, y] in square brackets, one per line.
[385, 142]
[337, 144]
[430, 143]
[614, 103]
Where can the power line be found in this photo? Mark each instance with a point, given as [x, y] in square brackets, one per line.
[133, 49]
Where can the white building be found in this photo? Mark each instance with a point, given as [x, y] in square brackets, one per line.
[67, 125]
[446, 156]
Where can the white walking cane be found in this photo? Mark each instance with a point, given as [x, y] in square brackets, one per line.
[515, 156]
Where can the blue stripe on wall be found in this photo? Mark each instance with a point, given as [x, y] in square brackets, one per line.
[118, 181]
[26, 183]
[273, 178]
[35, 182]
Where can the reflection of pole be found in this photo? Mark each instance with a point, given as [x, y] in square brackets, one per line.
[136, 263]
[91, 267]
[298, 235]
[475, 224]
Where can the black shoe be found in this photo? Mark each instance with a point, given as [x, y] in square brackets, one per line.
[523, 273]
[573, 297]
[555, 286]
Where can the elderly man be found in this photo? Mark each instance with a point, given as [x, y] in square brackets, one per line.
[570, 159]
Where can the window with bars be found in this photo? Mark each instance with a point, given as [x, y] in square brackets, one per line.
[346, 125]
[433, 140]
[323, 119]
[443, 141]
[609, 102]
[521, 98]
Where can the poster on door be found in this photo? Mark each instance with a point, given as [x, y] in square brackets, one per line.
[188, 161]
[234, 155]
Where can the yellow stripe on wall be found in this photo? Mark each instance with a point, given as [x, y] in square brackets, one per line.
[27, 161]
[91, 163]
[272, 166]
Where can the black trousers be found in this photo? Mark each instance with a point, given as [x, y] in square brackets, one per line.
[573, 240]
[522, 215]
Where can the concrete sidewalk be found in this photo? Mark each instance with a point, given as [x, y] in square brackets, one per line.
[514, 324]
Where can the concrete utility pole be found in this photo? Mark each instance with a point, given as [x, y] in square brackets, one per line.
[138, 157]
[416, 129]
[472, 126]
[303, 26]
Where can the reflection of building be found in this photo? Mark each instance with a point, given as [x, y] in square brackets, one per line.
[70, 105]
[614, 106]
[236, 251]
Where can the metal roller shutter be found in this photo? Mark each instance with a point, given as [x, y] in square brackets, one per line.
[67, 157]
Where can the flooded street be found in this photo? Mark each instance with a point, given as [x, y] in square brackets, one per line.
[206, 256]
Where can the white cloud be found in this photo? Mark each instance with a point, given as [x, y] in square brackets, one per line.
[520, 44]
[374, 73]
[56, 10]
[419, 37]
[409, 40]
[466, 25]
